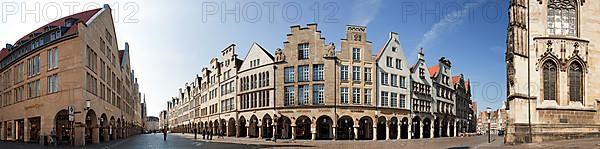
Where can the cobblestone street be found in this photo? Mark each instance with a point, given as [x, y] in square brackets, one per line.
[154, 141]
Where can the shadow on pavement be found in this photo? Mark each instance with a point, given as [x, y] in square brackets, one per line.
[460, 147]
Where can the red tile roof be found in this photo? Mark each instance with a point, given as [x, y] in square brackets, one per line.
[82, 17]
[434, 70]
[455, 79]
[379, 53]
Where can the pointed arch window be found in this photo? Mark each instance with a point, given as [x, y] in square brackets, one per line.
[550, 78]
[562, 17]
[575, 82]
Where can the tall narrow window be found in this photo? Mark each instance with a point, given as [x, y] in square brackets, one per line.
[344, 95]
[367, 96]
[344, 72]
[289, 95]
[318, 94]
[318, 72]
[52, 58]
[562, 17]
[394, 102]
[356, 54]
[367, 74]
[356, 73]
[53, 83]
[575, 82]
[303, 73]
[289, 74]
[355, 95]
[303, 51]
[550, 79]
[303, 92]
[384, 78]
[384, 99]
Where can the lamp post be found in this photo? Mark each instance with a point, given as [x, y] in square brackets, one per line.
[489, 112]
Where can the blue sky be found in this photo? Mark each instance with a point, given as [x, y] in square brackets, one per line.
[170, 42]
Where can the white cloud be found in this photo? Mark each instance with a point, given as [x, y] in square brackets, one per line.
[364, 11]
[448, 22]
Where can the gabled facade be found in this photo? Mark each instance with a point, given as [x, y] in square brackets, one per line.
[422, 96]
[256, 93]
[356, 68]
[444, 96]
[392, 75]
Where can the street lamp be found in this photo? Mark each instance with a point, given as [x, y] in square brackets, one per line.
[489, 112]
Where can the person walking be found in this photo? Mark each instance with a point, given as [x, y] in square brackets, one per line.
[164, 131]
[53, 137]
[203, 134]
[211, 134]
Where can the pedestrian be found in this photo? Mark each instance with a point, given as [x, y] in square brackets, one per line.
[203, 134]
[164, 131]
[195, 133]
[53, 136]
[211, 134]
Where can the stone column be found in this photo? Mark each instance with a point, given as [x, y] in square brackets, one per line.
[13, 130]
[355, 132]
[26, 131]
[237, 130]
[260, 132]
[2, 131]
[334, 133]
[293, 132]
[410, 131]
[431, 128]
[95, 135]
[448, 129]
[374, 132]
[106, 137]
[399, 131]
[313, 131]
[79, 135]
[455, 132]
[274, 131]
[248, 131]
[387, 132]
[422, 128]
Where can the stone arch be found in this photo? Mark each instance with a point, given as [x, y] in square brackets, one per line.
[303, 124]
[242, 127]
[437, 125]
[62, 126]
[267, 126]
[223, 126]
[345, 128]
[324, 128]
[104, 128]
[91, 127]
[416, 127]
[365, 128]
[381, 128]
[426, 127]
[253, 127]
[284, 127]
[404, 132]
[231, 127]
[393, 128]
